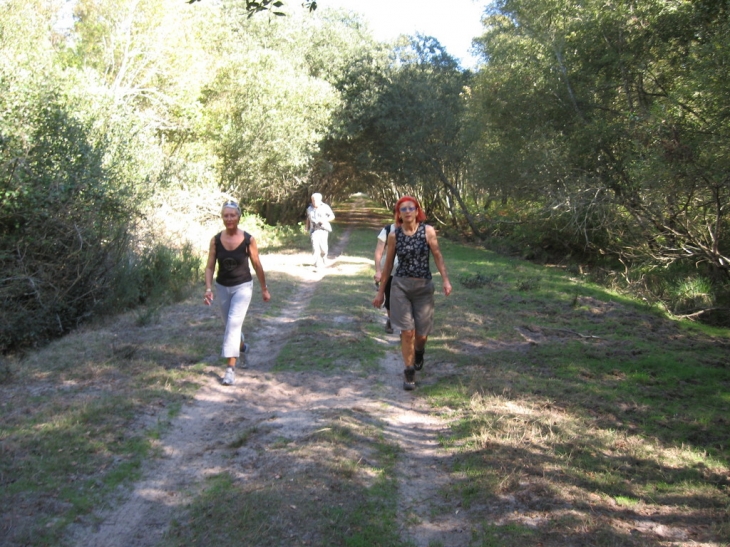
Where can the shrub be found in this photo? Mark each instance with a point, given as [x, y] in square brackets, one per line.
[156, 276]
[690, 295]
[63, 222]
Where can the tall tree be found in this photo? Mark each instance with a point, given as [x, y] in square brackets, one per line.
[617, 119]
[405, 127]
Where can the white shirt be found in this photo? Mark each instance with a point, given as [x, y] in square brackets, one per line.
[382, 236]
[322, 214]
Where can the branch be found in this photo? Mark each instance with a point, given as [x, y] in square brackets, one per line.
[697, 313]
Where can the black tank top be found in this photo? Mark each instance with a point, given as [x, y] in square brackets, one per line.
[233, 266]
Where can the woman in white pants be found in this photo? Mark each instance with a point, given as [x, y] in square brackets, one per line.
[232, 249]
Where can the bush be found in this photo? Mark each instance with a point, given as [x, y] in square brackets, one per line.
[691, 294]
[64, 222]
[157, 276]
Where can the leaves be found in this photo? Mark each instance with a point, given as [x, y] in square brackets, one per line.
[605, 114]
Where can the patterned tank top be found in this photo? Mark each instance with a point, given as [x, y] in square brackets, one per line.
[413, 253]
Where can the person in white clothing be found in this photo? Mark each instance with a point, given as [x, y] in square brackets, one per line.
[380, 254]
[319, 216]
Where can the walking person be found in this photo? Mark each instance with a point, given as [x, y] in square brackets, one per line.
[233, 249]
[319, 216]
[411, 293]
[380, 255]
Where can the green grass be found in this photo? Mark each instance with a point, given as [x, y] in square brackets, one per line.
[69, 453]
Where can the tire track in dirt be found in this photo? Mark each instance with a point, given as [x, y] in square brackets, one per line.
[291, 406]
[189, 450]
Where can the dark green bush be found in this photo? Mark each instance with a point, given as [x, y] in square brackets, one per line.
[65, 221]
[476, 280]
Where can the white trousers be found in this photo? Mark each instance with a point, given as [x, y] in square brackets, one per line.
[234, 302]
[320, 247]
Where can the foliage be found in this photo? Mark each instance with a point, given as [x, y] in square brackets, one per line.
[155, 276]
[63, 221]
[269, 101]
[402, 125]
[253, 6]
[76, 166]
[613, 119]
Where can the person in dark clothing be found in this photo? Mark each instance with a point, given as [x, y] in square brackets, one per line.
[233, 249]
[380, 253]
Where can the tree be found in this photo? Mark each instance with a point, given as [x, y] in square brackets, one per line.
[271, 104]
[273, 6]
[616, 118]
[404, 126]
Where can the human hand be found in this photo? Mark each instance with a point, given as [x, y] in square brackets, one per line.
[447, 287]
[378, 300]
[265, 294]
[377, 276]
[208, 298]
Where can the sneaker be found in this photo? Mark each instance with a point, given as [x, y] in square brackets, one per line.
[230, 377]
[409, 381]
[388, 327]
[418, 364]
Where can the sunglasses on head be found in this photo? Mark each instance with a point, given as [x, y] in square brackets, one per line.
[407, 209]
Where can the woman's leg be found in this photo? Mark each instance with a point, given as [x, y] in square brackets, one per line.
[409, 371]
[233, 308]
[423, 311]
[401, 317]
[407, 348]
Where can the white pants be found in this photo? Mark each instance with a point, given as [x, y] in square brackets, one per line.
[234, 302]
[319, 247]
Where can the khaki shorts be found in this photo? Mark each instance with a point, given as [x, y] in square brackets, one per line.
[411, 304]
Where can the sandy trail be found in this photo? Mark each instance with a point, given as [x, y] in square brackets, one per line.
[290, 405]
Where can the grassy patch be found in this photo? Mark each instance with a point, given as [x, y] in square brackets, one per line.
[570, 400]
[81, 415]
[344, 493]
[335, 332]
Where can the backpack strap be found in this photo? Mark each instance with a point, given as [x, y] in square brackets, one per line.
[247, 241]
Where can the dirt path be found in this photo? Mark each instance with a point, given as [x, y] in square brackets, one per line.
[292, 406]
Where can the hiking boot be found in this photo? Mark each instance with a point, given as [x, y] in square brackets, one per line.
[418, 364]
[409, 380]
[230, 377]
[388, 327]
